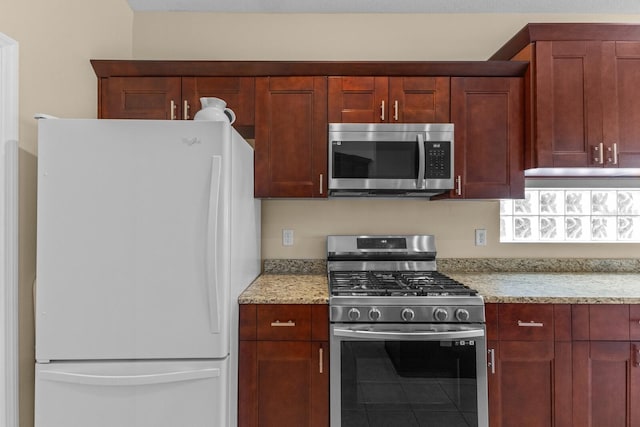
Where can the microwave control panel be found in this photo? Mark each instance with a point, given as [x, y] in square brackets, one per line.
[438, 160]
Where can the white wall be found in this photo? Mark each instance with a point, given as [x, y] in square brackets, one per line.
[414, 37]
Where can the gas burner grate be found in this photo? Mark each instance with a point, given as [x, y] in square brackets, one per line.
[391, 283]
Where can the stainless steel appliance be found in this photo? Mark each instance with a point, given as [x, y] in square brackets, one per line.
[390, 159]
[408, 344]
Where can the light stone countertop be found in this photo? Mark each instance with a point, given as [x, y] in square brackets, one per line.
[287, 289]
[556, 288]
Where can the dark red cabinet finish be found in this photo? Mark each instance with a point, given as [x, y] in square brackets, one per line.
[284, 366]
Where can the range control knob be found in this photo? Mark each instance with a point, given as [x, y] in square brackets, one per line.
[374, 314]
[407, 314]
[440, 314]
[462, 315]
[353, 314]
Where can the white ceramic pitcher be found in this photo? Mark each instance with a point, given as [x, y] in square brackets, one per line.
[215, 109]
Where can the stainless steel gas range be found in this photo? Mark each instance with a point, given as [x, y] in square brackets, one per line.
[408, 344]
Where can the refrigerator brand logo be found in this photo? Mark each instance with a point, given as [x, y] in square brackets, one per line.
[191, 141]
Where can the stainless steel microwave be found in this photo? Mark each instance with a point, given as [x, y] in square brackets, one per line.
[390, 159]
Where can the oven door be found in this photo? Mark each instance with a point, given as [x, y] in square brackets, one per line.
[408, 375]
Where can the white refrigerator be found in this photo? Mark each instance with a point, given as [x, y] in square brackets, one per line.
[147, 233]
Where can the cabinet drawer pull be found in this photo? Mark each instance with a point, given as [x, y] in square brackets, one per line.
[598, 154]
[279, 323]
[173, 110]
[321, 359]
[492, 360]
[185, 110]
[531, 324]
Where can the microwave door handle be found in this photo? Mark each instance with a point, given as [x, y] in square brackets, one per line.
[422, 160]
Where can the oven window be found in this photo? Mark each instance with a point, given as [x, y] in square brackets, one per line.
[375, 160]
[398, 383]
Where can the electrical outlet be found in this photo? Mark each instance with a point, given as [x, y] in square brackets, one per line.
[287, 237]
[481, 237]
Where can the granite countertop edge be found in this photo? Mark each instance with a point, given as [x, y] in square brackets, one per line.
[581, 281]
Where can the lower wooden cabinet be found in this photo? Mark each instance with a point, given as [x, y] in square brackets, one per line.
[563, 365]
[606, 365]
[283, 366]
[529, 368]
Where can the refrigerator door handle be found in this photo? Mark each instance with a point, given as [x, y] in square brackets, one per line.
[211, 261]
[129, 380]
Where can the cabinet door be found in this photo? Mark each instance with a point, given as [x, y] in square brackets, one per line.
[286, 384]
[621, 74]
[237, 92]
[568, 103]
[522, 383]
[140, 98]
[489, 137]
[606, 384]
[291, 137]
[419, 99]
[358, 99]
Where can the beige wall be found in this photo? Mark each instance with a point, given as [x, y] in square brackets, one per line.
[363, 37]
[56, 40]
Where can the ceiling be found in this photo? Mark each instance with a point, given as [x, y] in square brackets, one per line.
[392, 6]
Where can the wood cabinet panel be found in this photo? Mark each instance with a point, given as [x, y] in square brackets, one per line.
[237, 92]
[605, 384]
[140, 98]
[489, 132]
[601, 322]
[521, 390]
[283, 379]
[291, 137]
[526, 322]
[621, 132]
[382, 99]
[284, 322]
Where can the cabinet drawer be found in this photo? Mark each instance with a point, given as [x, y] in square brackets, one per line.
[603, 322]
[283, 322]
[525, 322]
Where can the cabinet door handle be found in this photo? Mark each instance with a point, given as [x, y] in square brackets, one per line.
[636, 356]
[531, 324]
[173, 110]
[459, 185]
[492, 360]
[395, 110]
[279, 323]
[382, 110]
[185, 110]
[321, 183]
[615, 153]
[598, 154]
[321, 360]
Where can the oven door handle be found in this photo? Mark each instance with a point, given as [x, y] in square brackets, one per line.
[409, 336]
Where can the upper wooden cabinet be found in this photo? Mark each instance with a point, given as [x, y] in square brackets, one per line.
[489, 132]
[583, 90]
[174, 98]
[291, 137]
[286, 107]
[382, 99]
